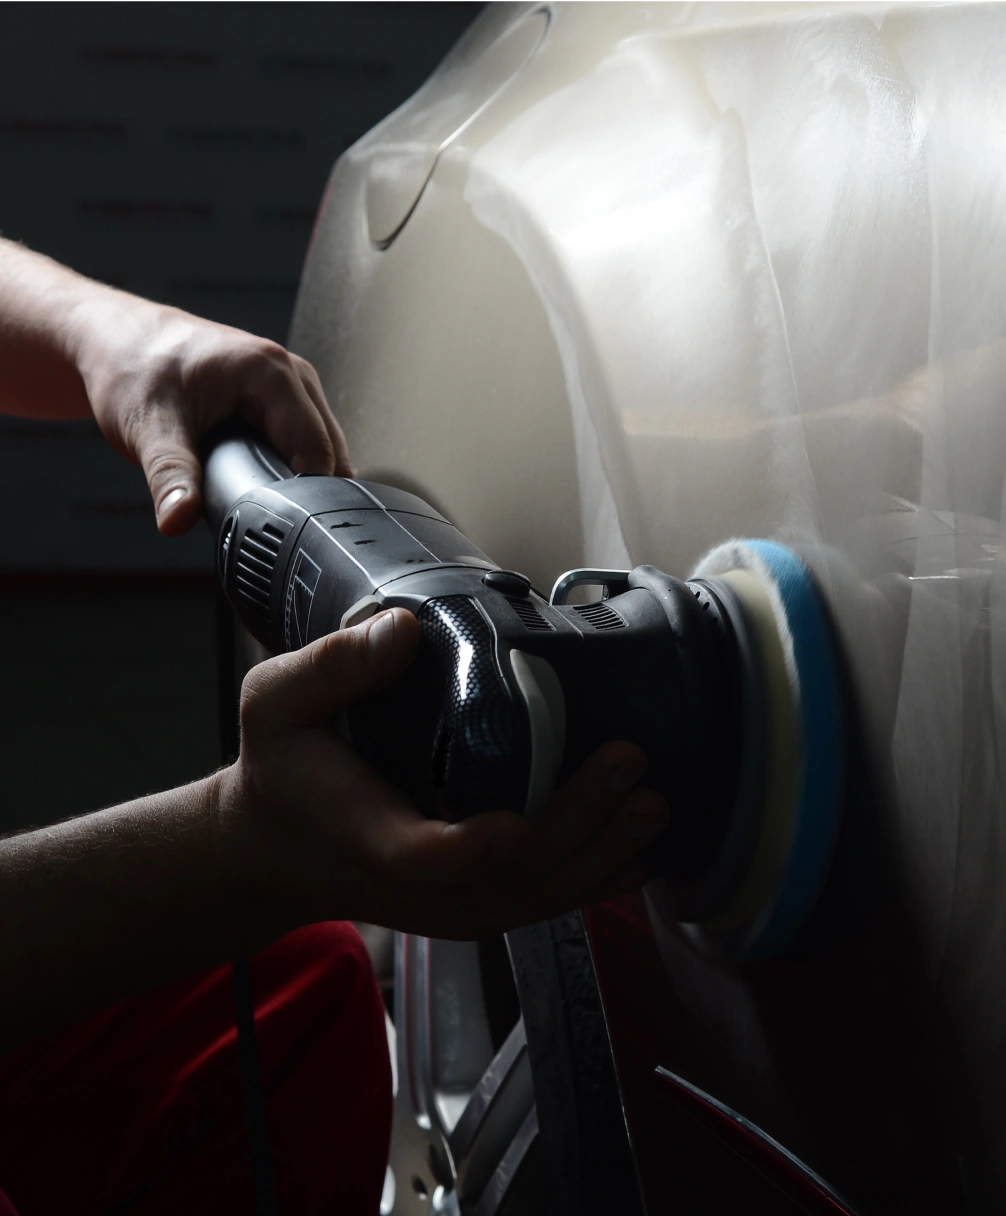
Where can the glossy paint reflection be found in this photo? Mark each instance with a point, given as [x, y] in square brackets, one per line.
[706, 271]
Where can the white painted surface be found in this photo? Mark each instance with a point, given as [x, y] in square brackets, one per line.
[710, 271]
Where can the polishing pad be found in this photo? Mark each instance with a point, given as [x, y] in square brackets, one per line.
[713, 891]
[791, 839]
[777, 811]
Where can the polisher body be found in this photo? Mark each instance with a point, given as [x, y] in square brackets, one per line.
[510, 690]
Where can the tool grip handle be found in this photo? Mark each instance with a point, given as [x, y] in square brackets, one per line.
[236, 459]
[448, 732]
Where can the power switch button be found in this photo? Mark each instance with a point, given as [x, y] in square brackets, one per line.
[507, 582]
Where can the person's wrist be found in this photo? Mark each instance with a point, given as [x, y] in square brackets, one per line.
[255, 869]
[89, 311]
[102, 322]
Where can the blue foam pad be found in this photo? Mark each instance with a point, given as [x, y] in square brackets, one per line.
[822, 776]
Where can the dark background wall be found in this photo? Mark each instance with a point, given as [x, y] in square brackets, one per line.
[178, 151]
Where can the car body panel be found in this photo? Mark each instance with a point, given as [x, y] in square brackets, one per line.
[693, 272]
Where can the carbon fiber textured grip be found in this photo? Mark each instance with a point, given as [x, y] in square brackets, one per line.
[477, 758]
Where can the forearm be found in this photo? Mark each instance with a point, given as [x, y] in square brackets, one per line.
[99, 907]
[40, 306]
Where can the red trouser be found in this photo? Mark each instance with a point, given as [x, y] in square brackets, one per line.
[139, 1109]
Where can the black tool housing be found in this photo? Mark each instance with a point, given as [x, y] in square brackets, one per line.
[655, 663]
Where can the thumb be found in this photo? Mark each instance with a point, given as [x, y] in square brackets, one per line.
[310, 686]
[167, 455]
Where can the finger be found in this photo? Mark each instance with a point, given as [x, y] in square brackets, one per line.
[310, 686]
[166, 452]
[587, 801]
[312, 385]
[343, 462]
[274, 398]
[638, 821]
[484, 852]
[502, 849]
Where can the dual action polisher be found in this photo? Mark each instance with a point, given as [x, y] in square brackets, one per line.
[728, 680]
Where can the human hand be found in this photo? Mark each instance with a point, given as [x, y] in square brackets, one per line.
[157, 378]
[303, 821]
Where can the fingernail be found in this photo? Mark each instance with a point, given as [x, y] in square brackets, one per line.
[624, 776]
[381, 637]
[503, 850]
[169, 500]
[643, 823]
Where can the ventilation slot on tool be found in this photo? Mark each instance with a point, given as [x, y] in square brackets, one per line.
[599, 615]
[530, 617]
[253, 571]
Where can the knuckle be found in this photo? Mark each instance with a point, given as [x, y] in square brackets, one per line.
[338, 656]
[138, 412]
[309, 373]
[265, 362]
[165, 466]
[262, 681]
[278, 360]
[265, 350]
[325, 656]
[254, 698]
[275, 352]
